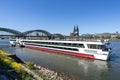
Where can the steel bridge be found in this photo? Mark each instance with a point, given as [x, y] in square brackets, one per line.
[31, 34]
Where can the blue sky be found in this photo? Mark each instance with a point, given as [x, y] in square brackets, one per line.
[60, 16]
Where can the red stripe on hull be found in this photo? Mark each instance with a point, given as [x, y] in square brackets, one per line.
[60, 51]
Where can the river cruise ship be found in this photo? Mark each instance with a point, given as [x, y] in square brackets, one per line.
[88, 49]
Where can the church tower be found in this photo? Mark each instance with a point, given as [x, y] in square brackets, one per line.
[75, 34]
[76, 31]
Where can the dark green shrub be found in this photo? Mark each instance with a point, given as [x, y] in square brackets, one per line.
[30, 65]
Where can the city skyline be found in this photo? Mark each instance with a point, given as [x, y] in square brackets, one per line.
[60, 16]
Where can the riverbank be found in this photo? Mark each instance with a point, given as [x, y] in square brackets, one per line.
[37, 72]
[12, 70]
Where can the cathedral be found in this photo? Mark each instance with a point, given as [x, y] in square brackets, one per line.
[75, 32]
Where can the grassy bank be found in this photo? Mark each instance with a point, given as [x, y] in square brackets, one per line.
[11, 69]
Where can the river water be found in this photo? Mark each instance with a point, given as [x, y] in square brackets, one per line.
[77, 68]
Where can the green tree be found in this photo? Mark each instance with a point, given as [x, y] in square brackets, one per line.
[103, 37]
[108, 37]
[118, 37]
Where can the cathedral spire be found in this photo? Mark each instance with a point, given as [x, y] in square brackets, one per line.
[74, 29]
[75, 32]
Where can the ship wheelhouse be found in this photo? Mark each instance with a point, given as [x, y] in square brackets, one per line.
[102, 47]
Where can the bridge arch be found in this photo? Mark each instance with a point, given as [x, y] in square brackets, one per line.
[37, 33]
[57, 36]
[10, 31]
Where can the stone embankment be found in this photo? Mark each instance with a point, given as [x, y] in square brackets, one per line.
[52, 75]
[31, 72]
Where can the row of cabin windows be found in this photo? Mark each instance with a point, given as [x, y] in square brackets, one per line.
[94, 46]
[72, 49]
[61, 44]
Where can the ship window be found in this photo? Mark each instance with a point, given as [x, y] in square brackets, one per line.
[74, 45]
[60, 44]
[64, 44]
[50, 43]
[55, 43]
[94, 46]
[80, 45]
[45, 42]
[42, 42]
[68, 44]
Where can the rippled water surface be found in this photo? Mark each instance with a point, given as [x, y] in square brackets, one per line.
[78, 68]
